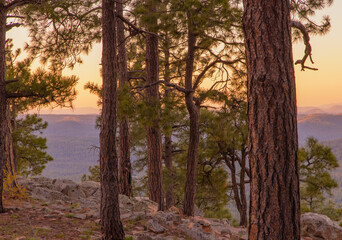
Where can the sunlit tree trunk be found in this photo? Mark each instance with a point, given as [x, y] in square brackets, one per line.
[111, 225]
[273, 144]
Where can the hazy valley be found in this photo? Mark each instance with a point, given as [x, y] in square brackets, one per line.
[73, 139]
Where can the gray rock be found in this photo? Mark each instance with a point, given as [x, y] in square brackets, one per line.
[80, 216]
[167, 218]
[195, 231]
[46, 194]
[69, 188]
[320, 227]
[90, 188]
[143, 236]
[154, 226]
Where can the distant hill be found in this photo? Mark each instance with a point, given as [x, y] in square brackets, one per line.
[324, 127]
[72, 141]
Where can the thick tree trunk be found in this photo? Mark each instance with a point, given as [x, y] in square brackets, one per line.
[194, 114]
[125, 169]
[111, 225]
[153, 136]
[3, 101]
[273, 144]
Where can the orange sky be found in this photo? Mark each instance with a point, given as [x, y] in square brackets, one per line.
[314, 88]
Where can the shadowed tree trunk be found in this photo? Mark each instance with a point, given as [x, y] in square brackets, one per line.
[169, 195]
[3, 100]
[153, 136]
[194, 114]
[111, 225]
[273, 144]
[243, 213]
[125, 169]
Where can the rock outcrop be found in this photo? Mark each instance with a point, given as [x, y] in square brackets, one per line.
[141, 219]
[320, 227]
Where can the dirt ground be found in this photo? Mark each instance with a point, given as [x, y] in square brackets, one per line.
[28, 219]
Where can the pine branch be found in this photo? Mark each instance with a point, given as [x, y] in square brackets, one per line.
[21, 94]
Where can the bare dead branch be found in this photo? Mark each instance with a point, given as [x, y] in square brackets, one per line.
[175, 86]
[18, 3]
[137, 29]
[210, 65]
[308, 48]
[21, 94]
[12, 25]
[12, 81]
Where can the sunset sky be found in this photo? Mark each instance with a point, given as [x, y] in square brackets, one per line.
[314, 88]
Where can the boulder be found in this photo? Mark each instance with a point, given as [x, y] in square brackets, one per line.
[154, 226]
[48, 195]
[69, 188]
[197, 231]
[320, 227]
[90, 188]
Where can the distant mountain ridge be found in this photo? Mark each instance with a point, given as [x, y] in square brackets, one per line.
[72, 141]
[325, 109]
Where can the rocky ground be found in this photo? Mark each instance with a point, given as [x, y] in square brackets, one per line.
[63, 209]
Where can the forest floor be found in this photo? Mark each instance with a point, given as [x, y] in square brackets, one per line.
[31, 219]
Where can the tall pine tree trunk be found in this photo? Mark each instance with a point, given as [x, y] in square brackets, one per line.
[273, 144]
[125, 169]
[111, 225]
[3, 100]
[168, 148]
[153, 136]
[194, 114]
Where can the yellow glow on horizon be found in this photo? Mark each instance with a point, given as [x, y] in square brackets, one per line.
[314, 88]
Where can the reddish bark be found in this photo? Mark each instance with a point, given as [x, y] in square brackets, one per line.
[111, 225]
[194, 114]
[3, 101]
[273, 144]
[153, 136]
[125, 169]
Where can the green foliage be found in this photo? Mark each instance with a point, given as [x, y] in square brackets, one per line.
[30, 90]
[39, 88]
[30, 147]
[94, 174]
[61, 30]
[315, 163]
[305, 10]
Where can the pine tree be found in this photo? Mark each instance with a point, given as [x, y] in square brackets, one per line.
[111, 225]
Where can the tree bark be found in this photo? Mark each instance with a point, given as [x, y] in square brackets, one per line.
[169, 197]
[273, 141]
[243, 213]
[125, 169]
[3, 100]
[111, 225]
[153, 136]
[194, 114]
